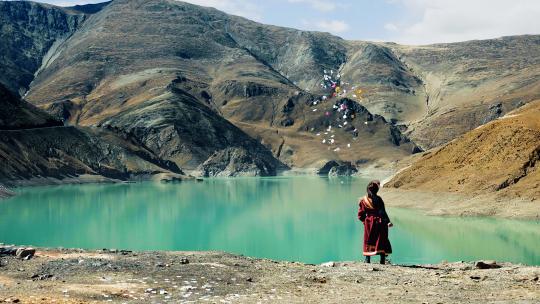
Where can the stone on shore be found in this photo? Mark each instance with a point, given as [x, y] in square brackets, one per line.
[337, 168]
[486, 265]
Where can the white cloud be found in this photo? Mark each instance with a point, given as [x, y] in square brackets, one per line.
[391, 27]
[460, 20]
[320, 5]
[244, 8]
[331, 26]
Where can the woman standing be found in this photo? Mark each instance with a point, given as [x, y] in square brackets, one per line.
[376, 222]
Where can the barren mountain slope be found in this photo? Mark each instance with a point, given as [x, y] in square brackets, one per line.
[34, 145]
[170, 74]
[165, 57]
[471, 83]
[501, 156]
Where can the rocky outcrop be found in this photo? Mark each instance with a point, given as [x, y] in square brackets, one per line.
[61, 110]
[176, 127]
[337, 168]
[239, 162]
[5, 192]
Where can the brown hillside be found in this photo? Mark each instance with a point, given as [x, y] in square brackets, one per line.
[498, 157]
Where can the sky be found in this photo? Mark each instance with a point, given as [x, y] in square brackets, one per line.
[402, 21]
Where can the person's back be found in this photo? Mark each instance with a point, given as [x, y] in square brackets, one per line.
[373, 214]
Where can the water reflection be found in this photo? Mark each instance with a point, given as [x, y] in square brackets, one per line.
[307, 219]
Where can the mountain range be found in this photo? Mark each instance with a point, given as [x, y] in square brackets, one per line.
[138, 87]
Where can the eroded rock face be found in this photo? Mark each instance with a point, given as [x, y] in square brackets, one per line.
[238, 161]
[28, 31]
[61, 110]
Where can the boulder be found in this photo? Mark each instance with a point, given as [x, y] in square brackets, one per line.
[486, 265]
[5, 192]
[169, 177]
[25, 253]
[337, 168]
[238, 161]
[7, 250]
[328, 264]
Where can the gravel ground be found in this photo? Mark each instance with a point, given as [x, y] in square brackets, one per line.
[78, 276]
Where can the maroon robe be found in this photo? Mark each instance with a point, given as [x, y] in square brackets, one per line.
[375, 221]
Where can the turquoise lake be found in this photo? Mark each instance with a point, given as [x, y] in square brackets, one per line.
[308, 219]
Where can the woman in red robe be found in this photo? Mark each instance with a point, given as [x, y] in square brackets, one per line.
[376, 223]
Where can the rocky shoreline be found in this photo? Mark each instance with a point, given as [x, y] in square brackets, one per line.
[118, 276]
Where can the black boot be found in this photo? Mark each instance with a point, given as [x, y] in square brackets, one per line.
[383, 258]
[367, 259]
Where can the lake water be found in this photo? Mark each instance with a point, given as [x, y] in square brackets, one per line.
[307, 219]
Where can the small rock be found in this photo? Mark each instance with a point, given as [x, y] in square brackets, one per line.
[486, 265]
[321, 280]
[25, 253]
[251, 279]
[41, 277]
[475, 277]
[184, 261]
[328, 264]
